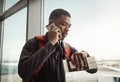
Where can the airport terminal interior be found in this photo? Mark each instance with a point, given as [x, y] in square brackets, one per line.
[95, 29]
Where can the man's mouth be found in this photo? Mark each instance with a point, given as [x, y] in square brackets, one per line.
[65, 34]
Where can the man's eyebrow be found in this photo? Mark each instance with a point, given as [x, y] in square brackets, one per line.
[67, 23]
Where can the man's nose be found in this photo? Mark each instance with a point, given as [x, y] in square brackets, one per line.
[67, 28]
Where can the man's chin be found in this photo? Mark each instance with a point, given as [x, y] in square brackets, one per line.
[62, 38]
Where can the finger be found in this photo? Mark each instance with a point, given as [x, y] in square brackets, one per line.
[53, 28]
[81, 61]
[76, 61]
[86, 53]
[56, 30]
[73, 59]
[59, 33]
[84, 60]
[84, 56]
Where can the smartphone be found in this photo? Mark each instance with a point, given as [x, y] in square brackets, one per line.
[49, 25]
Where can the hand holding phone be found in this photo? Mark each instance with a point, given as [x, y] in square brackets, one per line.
[54, 33]
[49, 26]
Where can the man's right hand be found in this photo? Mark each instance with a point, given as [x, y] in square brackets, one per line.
[54, 34]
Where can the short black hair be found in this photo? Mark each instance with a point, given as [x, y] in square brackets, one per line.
[58, 12]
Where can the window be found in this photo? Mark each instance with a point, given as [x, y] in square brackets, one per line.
[10, 3]
[14, 39]
[95, 26]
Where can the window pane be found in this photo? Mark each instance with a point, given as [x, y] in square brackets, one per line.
[10, 3]
[14, 39]
[96, 22]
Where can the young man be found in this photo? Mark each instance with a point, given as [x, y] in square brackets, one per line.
[45, 64]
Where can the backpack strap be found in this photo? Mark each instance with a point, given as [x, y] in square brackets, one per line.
[67, 50]
[41, 43]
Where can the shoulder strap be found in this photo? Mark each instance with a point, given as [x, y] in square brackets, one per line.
[41, 43]
[67, 50]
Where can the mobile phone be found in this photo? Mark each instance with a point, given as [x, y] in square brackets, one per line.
[50, 25]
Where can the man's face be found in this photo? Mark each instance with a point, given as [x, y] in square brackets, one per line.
[64, 23]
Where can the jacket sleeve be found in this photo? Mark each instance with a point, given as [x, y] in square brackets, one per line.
[73, 50]
[32, 57]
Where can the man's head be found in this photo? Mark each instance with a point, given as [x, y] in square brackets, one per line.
[57, 13]
[61, 18]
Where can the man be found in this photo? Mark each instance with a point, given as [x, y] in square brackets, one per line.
[45, 64]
